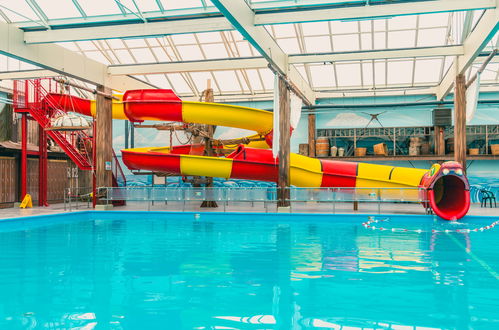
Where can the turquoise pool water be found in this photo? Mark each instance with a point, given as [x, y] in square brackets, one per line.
[246, 271]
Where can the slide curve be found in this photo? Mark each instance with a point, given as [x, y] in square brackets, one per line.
[444, 186]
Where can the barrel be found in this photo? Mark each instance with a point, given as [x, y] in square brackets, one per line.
[322, 147]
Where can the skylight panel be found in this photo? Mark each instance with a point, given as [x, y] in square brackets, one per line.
[215, 51]
[179, 84]
[99, 7]
[244, 49]
[227, 80]
[200, 79]
[317, 44]
[365, 26]
[344, 43]
[322, 76]
[116, 43]
[289, 45]
[379, 40]
[160, 54]
[400, 72]
[184, 39]
[315, 28]
[190, 53]
[143, 55]
[209, 37]
[86, 45]
[366, 41]
[339, 27]
[380, 73]
[284, 31]
[159, 80]
[267, 78]
[348, 74]
[181, 4]
[402, 22]
[144, 5]
[427, 70]
[433, 20]
[254, 79]
[58, 9]
[432, 37]
[18, 7]
[490, 72]
[301, 70]
[124, 56]
[379, 25]
[367, 73]
[135, 43]
[402, 39]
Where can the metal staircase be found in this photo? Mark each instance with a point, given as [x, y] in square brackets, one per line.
[32, 96]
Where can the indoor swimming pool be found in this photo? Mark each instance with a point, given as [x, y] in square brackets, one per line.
[160, 270]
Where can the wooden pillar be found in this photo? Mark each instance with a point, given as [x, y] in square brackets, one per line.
[208, 147]
[283, 181]
[311, 135]
[104, 138]
[460, 120]
[439, 137]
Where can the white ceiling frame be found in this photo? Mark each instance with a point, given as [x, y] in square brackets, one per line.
[484, 31]
[129, 30]
[242, 17]
[371, 12]
[62, 61]
[260, 62]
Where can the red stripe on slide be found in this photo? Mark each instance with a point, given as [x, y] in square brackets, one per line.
[151, 161]
[68, 103]
[338, 174]
[152, 104]
[253, 171]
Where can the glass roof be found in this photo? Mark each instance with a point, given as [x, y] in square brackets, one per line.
[403, 32]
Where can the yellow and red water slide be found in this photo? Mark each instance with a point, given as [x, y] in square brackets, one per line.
[444, 186]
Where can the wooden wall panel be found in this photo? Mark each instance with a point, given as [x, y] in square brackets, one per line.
[57, 179]
[8, 179]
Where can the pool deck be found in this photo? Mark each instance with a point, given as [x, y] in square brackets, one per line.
[311, 207]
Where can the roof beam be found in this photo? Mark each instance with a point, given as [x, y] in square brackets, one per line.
[370, 12]
[377, 54]
[241, 16]
[260, 62]
[60, 60]
[27, 74]
[484, 31]
[129, 30]
[189, 66]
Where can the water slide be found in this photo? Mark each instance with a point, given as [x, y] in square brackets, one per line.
[444, 186]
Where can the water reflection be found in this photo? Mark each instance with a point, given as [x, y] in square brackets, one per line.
[220, 272]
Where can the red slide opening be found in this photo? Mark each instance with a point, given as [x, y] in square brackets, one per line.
[450, 197]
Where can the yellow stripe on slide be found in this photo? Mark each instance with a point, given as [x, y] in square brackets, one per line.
[205, 166]
[410, 176]
[305, 171]
[227, 115]
[117, 109]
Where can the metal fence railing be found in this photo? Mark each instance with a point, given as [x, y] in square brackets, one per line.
[188, 197]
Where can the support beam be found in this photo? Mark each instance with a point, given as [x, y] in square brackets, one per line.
[60, 60]
[104, 138]
[260, 62]
[136, 30]
[460, 120]
[483, 32]
[370, 12]
[283, 182]
[203, 21]
[311, 135]
[242, 17]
